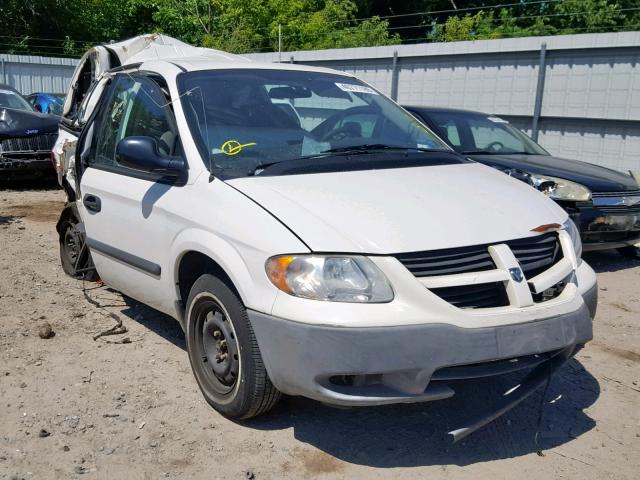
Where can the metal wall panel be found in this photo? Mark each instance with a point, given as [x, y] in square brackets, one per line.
[593, 84]
[29, 74]
[504, 84]
[614, 145]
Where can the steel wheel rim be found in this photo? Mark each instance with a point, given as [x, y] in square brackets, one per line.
[217, 346]
[72, 245]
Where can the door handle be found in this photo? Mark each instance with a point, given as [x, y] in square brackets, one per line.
[92, 203]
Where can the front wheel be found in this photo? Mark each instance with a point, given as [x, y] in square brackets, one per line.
[74, 254]
[224, 353]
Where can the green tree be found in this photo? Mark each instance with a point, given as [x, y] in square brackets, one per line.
[563, 17]
[242, 26]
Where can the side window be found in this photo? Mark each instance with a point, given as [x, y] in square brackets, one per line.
[136, 107]
[450, 129]
[82, 84]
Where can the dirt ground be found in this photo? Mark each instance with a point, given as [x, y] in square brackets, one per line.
[72, 407]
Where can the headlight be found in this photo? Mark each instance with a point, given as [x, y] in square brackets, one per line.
[329, 278]
[574, 233]
[559, 188]
[516, 173]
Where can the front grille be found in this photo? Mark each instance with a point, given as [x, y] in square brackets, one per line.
[534, 254]
[34, 143]
[613, 202]
[620, 209]
[484, 295]
[630, 193]
[447, 261]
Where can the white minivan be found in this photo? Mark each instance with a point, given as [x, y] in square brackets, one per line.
[313, 238]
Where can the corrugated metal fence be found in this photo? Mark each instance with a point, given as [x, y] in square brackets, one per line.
[585, 99]
[29, 74]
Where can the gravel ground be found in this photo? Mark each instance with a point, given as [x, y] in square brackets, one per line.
[73, 407]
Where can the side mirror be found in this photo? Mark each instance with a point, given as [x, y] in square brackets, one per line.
[141, 153]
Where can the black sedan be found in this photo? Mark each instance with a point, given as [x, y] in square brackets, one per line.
[604, 203]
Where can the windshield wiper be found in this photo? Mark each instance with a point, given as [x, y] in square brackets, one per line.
[489, 152]
[265, 165]
[371, 147]
[352, 150]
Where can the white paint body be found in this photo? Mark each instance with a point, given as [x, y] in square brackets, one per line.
[241, 223]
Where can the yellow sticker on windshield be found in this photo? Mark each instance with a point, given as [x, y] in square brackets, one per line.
[234, 147]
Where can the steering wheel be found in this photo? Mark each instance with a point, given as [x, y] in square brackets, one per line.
[324, 130]
[495, 146]
[346, 131]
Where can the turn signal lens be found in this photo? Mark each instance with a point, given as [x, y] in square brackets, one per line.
[277, 270]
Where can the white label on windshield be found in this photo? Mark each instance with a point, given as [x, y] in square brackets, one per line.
[497, 120]
[350, 87]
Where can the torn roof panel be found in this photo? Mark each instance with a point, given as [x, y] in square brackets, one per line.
[156, 46]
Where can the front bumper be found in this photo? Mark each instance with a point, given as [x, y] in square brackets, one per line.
[601, 228]
[23, 166]
[396, 364]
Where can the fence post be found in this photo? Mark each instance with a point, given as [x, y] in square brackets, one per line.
[537, 108]
[394, 76]
[4, 75]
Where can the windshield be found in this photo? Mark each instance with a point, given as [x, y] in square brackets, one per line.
[9, 99]
[472, 133]
[243, 119]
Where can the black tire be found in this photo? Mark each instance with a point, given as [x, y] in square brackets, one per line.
[630, 251]
[224, 353]
[74, 255]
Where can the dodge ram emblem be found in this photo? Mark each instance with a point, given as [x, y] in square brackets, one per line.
[516, 274]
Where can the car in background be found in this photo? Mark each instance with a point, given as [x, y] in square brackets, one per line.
[26, 138]
[604, 203]
[47, 102]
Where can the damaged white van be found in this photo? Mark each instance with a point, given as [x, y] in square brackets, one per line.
[314, 239]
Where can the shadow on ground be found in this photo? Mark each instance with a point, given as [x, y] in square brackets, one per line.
[159, 323]
[609, 261]
[414, 434]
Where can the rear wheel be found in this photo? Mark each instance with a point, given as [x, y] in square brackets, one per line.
[224, 353]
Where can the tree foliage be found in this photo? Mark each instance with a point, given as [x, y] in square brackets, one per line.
[68, 27]
[551, 18]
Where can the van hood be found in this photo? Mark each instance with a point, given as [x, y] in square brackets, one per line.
[404, 209]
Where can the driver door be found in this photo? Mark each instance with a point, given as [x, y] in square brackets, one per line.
[124, 210]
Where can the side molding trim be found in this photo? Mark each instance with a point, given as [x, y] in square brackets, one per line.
[127, 258]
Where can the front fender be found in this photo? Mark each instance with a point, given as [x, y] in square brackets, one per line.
[244, 264]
